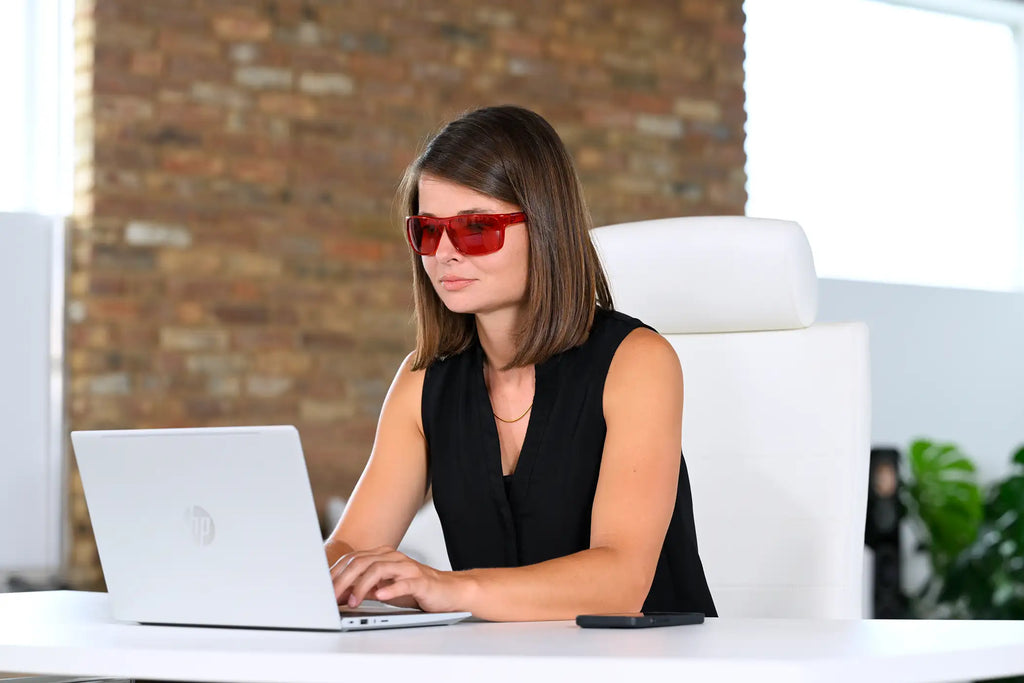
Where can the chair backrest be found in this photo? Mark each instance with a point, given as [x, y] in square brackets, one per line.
[776, 428]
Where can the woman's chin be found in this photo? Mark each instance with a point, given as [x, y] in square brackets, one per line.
[472, 306]
[455, 305]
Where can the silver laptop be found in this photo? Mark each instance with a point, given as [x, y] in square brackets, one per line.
[216, 527]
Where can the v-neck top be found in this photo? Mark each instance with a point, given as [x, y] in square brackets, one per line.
[543, 509]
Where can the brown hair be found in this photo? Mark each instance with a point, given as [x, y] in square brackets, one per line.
[514, 155]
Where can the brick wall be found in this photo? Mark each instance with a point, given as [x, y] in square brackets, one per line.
[234, 258]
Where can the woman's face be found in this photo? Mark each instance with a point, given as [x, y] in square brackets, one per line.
[474, 284]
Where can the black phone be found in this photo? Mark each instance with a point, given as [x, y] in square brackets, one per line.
[638, 620]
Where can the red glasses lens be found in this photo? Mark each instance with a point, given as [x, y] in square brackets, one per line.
[478, 234]
[424, 234]
[473, 235]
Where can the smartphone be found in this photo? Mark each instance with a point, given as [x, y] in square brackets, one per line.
[637, 620]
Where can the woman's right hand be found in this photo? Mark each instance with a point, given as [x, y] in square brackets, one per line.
[345, 593]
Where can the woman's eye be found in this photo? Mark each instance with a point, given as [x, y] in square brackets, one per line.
[476, 227]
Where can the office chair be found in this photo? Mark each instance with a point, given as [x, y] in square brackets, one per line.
[776, 427]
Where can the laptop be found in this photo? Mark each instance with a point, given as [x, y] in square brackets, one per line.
[216, 527]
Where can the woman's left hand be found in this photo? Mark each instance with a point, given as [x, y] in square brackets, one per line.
[387, 575]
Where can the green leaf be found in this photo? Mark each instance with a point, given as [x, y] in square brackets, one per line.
[948, 499]
[1018, 457]
[1005, 508]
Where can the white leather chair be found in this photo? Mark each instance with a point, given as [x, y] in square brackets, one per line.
[776, 432]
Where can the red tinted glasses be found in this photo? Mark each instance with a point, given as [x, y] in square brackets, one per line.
[472, 234]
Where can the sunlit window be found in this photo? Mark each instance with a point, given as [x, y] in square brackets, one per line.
[892, 135]
[36, 118]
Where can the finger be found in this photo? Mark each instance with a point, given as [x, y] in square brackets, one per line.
[354, 568]
[398, 588]
[339, 566]
[346, 559]
[380, 574]
[359, 563]
[346, 576]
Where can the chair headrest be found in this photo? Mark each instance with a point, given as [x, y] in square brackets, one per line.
[711, 273]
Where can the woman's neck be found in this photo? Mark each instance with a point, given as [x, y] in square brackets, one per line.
[496, 331]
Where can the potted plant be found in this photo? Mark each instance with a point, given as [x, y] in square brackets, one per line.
[974, 537]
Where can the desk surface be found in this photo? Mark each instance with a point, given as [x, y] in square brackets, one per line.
[72, 633]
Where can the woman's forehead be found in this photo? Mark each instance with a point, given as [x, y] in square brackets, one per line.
[442, 197]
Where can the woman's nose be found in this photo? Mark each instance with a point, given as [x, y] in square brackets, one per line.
[445, 249]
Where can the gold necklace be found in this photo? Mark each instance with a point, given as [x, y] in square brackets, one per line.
[487, 386]
[515, 420]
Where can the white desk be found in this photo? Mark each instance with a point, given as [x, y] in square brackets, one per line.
[72, 633]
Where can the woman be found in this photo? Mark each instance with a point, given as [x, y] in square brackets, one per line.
[547, 424]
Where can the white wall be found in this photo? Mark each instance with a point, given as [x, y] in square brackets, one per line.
[946, 364]
[30, 461]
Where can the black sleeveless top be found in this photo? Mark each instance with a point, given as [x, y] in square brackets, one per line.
[542, 510]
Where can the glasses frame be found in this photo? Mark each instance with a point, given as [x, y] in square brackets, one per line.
[459, 231]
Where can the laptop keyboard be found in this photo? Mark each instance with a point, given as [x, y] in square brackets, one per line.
[374, 608]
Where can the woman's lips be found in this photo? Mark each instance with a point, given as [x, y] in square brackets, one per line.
[453, 285]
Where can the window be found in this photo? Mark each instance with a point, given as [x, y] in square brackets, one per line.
[36, 121]
[892, 134]
[36, 170]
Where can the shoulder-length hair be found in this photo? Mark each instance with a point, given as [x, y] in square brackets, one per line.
[514, 155]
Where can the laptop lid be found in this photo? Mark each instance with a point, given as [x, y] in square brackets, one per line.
[213, 526]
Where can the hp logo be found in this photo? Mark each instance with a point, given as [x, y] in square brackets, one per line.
[201, 524]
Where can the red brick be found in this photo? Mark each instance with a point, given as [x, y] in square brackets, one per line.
[123, 108]
[327, 341]
[242, 314]
[241, 26]
[178, 41]
[192, 162]
[287, 104]
[114, 309]
[260, 170]
[187, 68]
[114, 32]
[190, 313]
[265, 339]
[193, 339]
[358, 250]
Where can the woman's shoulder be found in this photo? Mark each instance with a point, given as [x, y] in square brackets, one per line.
[403, 397]
[407, 379]
[645, 363]
[614, 337]
[614, 317]
[611, 326]
[638, 348]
